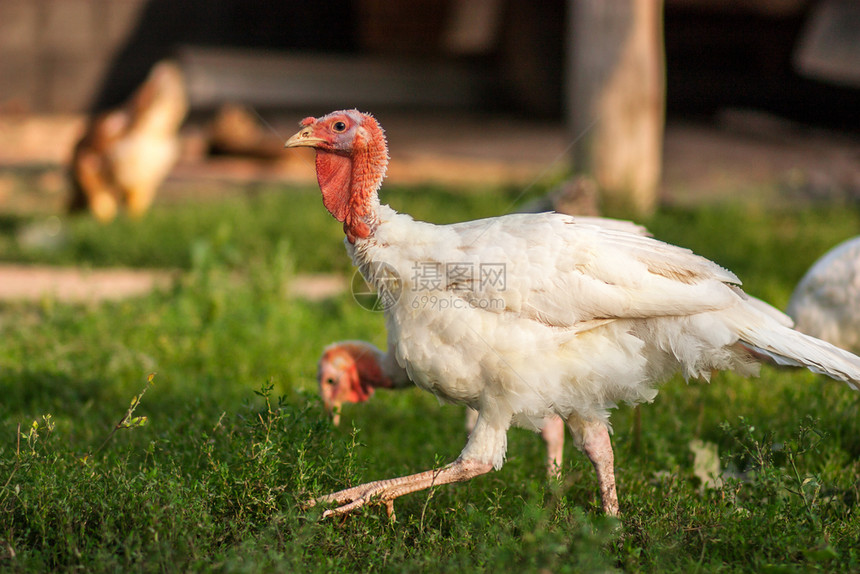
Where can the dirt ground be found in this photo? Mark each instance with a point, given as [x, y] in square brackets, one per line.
[37, 282]
[34, 283]
[703, 161]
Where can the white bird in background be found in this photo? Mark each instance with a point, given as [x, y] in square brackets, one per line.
[826, 302]
[529, 315]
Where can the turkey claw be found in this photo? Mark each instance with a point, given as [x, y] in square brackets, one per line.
[385, 491]
[354, 498]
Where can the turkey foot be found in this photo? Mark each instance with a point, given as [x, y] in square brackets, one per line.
[385, 491]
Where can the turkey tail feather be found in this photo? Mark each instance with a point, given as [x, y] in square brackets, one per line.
[788, 347]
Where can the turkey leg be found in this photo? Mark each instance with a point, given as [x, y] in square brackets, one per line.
[553, 435]
[386, 491]
[487, 442]
[592, 438]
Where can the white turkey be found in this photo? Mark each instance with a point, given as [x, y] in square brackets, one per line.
[351, 371]
[826, 302]
[528, 315]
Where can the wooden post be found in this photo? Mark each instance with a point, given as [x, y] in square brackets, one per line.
[615, 97]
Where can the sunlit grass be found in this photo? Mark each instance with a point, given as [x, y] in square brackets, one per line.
[235, 438]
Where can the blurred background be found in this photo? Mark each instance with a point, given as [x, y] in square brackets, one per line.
[657, 102]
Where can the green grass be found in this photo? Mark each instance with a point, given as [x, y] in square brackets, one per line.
[235, 439]
[234, 230]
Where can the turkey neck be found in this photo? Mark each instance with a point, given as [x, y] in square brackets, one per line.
[368, 363]
[350, 182]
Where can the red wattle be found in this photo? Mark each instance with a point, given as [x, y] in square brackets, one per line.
[334, 174]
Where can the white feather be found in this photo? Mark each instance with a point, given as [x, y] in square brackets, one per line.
[587, 316]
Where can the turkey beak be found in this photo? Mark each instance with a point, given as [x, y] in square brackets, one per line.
[333, 410]
[304, 138]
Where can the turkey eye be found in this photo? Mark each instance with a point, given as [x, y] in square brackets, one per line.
[330, 381]
[339, 127]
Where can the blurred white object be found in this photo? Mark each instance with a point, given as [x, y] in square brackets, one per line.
[826, 302]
